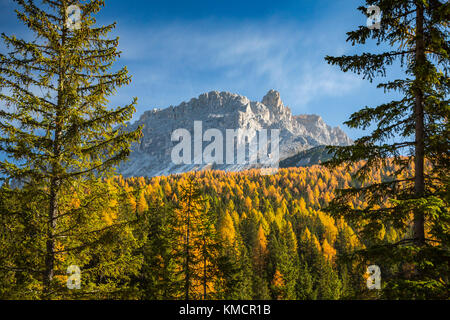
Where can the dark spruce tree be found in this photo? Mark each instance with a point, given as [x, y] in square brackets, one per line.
[197, 249]
[412, 138]
[60, 139]
[159, 277]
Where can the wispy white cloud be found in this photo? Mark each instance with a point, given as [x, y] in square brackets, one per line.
[246, 58]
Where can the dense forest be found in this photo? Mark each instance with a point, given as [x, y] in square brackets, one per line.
[199, 235]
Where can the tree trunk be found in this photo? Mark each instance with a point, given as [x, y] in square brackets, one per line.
[187, 274]
[53, 210]
[204, 269]
[55, 180]
[419, 183]
[50, 247]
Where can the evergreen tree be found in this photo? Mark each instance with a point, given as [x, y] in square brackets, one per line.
[260, 255]
[198, 251]
[209, 246]
[60, 138]
[413, 134]
[304, 287]
[236, 272]
[159, 278]
[328, 285]
[283, 263]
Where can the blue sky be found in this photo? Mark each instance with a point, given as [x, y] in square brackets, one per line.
[177, 50]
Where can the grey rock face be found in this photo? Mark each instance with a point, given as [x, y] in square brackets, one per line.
[223, 110]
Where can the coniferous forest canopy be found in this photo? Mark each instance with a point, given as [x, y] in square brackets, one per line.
[307, 233]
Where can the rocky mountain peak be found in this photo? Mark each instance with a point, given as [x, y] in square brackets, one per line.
[223, 111]
[272, 99]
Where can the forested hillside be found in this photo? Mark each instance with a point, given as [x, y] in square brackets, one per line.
[250, 237]
[274, 240]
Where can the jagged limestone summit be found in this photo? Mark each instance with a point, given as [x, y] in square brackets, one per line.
[223, 110]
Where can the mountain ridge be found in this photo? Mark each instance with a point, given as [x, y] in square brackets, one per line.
[223, 110]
